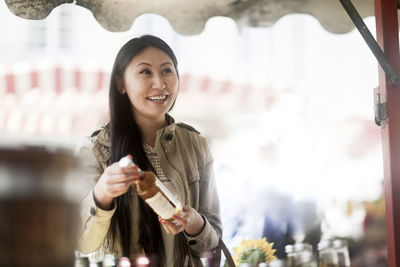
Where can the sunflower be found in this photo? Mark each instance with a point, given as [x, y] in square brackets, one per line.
[254, 252]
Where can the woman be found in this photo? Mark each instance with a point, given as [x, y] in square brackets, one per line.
[144, 86]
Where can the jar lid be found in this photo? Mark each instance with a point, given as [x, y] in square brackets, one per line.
[289, 248]
[338, 243]
[298, 247]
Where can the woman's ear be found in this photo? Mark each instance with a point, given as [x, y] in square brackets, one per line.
[120, 85]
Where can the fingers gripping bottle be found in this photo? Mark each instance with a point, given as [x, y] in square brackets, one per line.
[154, 192]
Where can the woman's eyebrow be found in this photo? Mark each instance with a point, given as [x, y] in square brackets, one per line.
[143, 63]
[148, 64]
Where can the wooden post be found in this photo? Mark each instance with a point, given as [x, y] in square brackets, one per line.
[388, 38]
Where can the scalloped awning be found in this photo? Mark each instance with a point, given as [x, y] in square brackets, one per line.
[189, 16]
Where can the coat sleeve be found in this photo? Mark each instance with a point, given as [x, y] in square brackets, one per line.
[94, 222]
[208, 206]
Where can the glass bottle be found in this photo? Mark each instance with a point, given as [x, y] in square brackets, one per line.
[298, 249]
[154, 192]
[342, 252]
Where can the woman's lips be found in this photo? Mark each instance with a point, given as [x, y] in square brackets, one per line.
[158, 98]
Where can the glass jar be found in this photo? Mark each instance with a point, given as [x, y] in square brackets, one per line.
[110, 260]
[327, 254]
[82, 262]
[342, 252]
[304, 255]
[290, 256]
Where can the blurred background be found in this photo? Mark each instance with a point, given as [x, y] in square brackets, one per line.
[287, 109]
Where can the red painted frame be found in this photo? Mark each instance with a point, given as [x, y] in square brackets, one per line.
[387, 30]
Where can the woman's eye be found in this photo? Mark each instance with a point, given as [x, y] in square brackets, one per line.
[145, 71]
[167, 70]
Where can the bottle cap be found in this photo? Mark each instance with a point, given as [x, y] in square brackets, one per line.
[125, 162]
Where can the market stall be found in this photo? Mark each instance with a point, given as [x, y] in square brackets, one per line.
[254, 13]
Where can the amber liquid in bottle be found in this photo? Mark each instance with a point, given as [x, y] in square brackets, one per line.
[154, 193]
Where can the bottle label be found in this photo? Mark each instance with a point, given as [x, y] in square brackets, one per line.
[174, 201]
[161, 206]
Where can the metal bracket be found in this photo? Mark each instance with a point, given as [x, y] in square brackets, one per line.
[381, 111]
[371, 42]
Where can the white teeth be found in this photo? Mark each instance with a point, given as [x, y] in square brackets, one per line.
[159, 97]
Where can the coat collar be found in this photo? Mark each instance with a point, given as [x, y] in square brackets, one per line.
[101, 138]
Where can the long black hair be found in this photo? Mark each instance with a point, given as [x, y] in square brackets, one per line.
[127, 138]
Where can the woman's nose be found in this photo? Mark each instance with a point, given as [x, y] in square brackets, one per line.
[158, 82]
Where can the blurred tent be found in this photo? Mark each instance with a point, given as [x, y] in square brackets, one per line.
[189, 16]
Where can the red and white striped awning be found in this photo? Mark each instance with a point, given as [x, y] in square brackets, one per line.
[69, 101]
[51, 100]
[51, 78]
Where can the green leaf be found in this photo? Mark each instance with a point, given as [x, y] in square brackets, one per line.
[253, 256]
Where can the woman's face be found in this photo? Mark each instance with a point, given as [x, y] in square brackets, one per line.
[151, 82]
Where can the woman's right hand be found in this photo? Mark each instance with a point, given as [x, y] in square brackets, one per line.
[114, 181]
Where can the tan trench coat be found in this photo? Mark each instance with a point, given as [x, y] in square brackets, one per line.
[185, 159]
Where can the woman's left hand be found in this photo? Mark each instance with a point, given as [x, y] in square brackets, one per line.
[189, 220]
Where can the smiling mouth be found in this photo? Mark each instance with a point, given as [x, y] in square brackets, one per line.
[157, 98]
